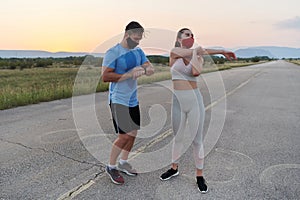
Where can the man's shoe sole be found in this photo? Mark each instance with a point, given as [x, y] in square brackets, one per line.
[127, 172]
[176, 174]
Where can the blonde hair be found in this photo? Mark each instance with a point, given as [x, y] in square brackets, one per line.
[179, 33]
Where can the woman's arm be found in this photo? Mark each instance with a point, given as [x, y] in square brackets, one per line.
[178, 52]
[228, 54]
[183, 53]
[197, 63]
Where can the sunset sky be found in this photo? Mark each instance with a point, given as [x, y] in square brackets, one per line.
[82, 25]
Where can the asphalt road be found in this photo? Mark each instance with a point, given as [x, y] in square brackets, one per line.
[57, 150]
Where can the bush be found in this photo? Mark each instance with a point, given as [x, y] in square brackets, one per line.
[255, 59]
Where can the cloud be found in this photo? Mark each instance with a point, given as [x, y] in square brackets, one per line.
[293, 23]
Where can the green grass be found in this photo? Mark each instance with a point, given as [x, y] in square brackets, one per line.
[29, 86]
[297, 62]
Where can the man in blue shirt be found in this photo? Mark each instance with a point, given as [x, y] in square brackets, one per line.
[122, 65]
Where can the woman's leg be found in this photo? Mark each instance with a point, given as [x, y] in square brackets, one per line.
[198, 150]
[178, 125]
[196, 121]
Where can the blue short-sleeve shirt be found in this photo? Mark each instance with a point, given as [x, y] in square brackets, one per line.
[123, 60]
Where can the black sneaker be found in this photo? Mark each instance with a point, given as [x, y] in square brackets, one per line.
[202, 187]
[169, 174]
[114, 175]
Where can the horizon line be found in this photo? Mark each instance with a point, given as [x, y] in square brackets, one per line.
[64, 51]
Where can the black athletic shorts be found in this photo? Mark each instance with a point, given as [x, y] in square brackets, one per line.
[125, 119]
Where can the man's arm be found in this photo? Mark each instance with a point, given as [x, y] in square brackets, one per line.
[108, 74]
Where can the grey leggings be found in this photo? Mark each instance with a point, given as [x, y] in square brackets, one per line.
[188, 107]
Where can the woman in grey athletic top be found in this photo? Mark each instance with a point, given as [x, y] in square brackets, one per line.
[187, 102]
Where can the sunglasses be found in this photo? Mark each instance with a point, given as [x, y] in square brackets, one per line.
[189, 35]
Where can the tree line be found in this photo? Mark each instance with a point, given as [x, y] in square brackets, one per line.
[72, 61]
[66, 62]
[215, 59]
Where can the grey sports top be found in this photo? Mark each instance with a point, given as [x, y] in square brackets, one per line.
[180, 71]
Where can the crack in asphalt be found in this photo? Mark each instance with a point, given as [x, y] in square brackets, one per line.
[73, 193]
[50, 151]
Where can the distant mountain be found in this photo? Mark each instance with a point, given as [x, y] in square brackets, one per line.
[242, 52]
[270, 51]
[252, 52]
[42, 54]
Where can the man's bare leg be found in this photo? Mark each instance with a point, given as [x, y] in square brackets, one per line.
[127, 148]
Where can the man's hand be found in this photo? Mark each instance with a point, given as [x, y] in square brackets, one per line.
[149, 71]
[148, 68]
[137, 72]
